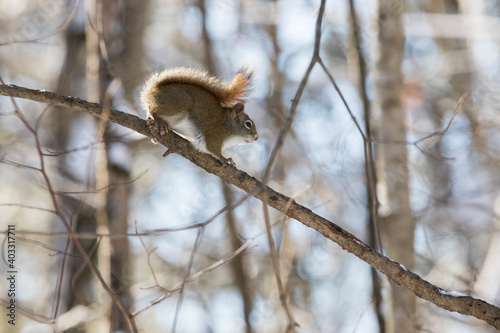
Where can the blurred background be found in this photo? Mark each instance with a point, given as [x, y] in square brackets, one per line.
[402, 68]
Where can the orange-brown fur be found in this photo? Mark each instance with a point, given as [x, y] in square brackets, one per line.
[227, 94]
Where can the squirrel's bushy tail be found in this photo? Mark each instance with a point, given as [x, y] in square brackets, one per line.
[228, 94]
[238, 88]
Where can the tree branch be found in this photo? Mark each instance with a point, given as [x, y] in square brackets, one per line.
[449, 301]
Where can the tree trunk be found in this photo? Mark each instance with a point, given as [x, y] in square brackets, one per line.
[106, 34]
[396, 221]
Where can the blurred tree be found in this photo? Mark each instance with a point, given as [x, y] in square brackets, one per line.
[397, 224]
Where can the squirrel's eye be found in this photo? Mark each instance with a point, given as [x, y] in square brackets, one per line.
[248, 124]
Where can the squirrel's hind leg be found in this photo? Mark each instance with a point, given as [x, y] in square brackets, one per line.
[227, 161]
[158, 127]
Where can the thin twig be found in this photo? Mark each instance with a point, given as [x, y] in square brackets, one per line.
[196, 246]
[370, 173]
[29, 207]
[195, 276]
[149, 253]
[60, 28]
[206, 222]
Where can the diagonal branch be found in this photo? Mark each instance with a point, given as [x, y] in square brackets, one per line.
[449, 301]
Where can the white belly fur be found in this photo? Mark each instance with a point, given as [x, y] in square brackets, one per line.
[183, 126]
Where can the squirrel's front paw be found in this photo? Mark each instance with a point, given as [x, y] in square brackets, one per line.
[158, 127]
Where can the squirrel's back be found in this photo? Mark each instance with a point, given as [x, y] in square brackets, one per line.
[227, 94]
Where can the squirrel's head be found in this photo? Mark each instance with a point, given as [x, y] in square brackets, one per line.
[242, 127]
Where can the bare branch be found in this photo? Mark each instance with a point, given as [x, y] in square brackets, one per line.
[463, 304]
[193, 277]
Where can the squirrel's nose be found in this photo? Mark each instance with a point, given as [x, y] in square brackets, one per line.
[256, 136]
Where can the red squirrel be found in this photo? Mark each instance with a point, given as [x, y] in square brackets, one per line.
[201, 108]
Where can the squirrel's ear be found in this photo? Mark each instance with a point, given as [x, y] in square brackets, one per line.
[232, 113]
[239, 108]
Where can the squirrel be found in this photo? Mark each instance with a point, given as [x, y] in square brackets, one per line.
[199, 107]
